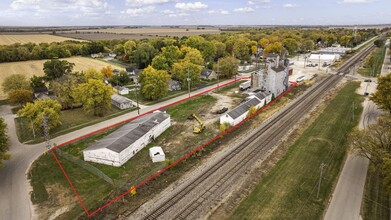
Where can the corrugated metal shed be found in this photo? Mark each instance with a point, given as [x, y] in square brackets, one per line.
[243, 108]
[128, 134]
[120, 99]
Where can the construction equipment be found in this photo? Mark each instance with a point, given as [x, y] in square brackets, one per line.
[198, 128]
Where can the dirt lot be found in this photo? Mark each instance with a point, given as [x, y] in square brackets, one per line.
[6, 39]
[30, 68]
[308, 72]
[137, 33]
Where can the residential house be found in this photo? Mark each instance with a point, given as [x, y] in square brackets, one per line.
[208, 74]
[121, 102]
[121, 90]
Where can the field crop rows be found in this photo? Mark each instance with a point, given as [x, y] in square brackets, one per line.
[33, 38]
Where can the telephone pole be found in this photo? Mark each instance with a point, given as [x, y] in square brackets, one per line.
[188, 80]
[320, 178]
[46, 131]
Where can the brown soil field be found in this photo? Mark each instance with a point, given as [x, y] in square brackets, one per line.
[135, 33]
[30, 68]
[7, 39]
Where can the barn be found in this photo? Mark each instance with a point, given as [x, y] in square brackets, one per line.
[121, 145]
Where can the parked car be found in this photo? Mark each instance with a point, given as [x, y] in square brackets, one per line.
[368, 80]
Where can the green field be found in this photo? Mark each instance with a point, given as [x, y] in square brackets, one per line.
[378, 57]
[289, 190]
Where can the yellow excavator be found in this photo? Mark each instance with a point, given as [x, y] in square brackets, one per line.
[198, 128]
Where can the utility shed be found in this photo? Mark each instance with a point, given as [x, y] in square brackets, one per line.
[118, 147]
[121, 102]
[239, 113]
[157, 154]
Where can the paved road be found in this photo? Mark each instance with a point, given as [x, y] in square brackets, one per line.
[348, 194]
[14, 188]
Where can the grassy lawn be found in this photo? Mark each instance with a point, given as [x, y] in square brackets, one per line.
[288, 191]
[378, 56]
[376, 204]
[71, 120]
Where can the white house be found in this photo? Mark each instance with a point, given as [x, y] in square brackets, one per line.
[121, 102]
[157, 154]
[121, 90]
[118, 147]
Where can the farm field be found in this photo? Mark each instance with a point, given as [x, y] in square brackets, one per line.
[135, 33]
[6, 39]
[30, 68]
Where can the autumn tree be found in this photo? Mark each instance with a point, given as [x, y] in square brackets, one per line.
[275, 47]
[220, 49]
[15, 82]
[382, 96]
[227, 66]
[154, 83]
[107, 71]
[264, 42]
[20, 96]
[63, 89]
[94, 95]
[192, 55]
[93, 74]
[291, 45]
[41, 108]
[182, 70]
[56, 68]
[166, 58]
[240, 49]
[4, 144]
[37, 81]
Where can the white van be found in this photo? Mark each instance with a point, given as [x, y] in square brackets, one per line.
[300, 78]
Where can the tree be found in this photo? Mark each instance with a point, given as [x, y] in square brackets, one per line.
[4, 145]
[107, 71]
[144, 54]
[275, 47]
[154, 83]
[240, 49]
[42, 108]
[95, 96]
[251, 111]
[192, 55]
[382, 96]
[129, 47]
[63, 89]
[291, 45]
[264, 42]
[181, 71]
[307, 45]
[15, 82]
[121, 79]
[159, 62]
[220, 49]
[20, 96]
[91, 73]
[37, 82]
[56, 68]
[227, 66]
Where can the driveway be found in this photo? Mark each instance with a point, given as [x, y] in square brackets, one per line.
[14, 187]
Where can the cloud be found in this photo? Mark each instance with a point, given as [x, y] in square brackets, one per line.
[354, 1]
[183, 14]
[244, 10]
[288, 5]
[190, 6]
[146, 2]
[135, 12]
[220, 11]
[167, 12]
[257, 2]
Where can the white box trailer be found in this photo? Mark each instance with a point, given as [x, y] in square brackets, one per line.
[245, 85]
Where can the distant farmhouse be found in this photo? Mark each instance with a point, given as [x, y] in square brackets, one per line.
[121, 145]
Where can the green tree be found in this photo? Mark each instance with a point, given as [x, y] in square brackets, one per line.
[4, 144]
[92, 73]
[227, 66]
[15, 82]
[382, 96]
[159, 62]
[307, 45]
[56, 68]
[291, 45]
[129, 47]
[95, 96]
[220, 49]
[144, 54]
[42, 108]
[154, 83]
[20, 96]
[240, 50]
[181, 71]
[251, 111]
[192, 55]
[275, 47]
[264, 42]
[37, 82]
[63, 89]
[121, 79]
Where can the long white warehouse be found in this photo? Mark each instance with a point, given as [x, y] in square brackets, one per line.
[118, 147]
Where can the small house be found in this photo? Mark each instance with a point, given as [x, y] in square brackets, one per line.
[121, 102]
[157, 154]
[121, 90]
[208, 74]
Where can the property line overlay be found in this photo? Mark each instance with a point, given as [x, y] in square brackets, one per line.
[293, 85]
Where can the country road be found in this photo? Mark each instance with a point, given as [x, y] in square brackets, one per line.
[14, 187]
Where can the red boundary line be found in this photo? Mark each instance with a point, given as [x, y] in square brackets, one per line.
[175, 162]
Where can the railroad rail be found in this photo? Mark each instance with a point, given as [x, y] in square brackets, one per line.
[249, 151]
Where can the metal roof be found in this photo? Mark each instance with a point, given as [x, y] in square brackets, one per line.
[120, 99]
[122, 138]
[243, 108]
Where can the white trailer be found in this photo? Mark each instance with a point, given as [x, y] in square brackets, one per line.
[245, 85]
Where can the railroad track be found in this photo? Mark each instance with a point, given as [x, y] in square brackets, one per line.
[246, 153]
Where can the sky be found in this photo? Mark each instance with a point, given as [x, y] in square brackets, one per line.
[193, 12]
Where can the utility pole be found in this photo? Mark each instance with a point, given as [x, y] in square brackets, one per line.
[218, 76]
[46, 131]
[320, 178]
[188, 80]
[32, 125]
[137, 89]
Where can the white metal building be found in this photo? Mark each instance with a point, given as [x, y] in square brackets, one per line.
[118, 147]
[121, 102]
[321, 58]
[157, 154]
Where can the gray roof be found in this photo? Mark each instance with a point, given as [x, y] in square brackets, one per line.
[261, 95]
[243, 108]
[122, 138]
[120, 99]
